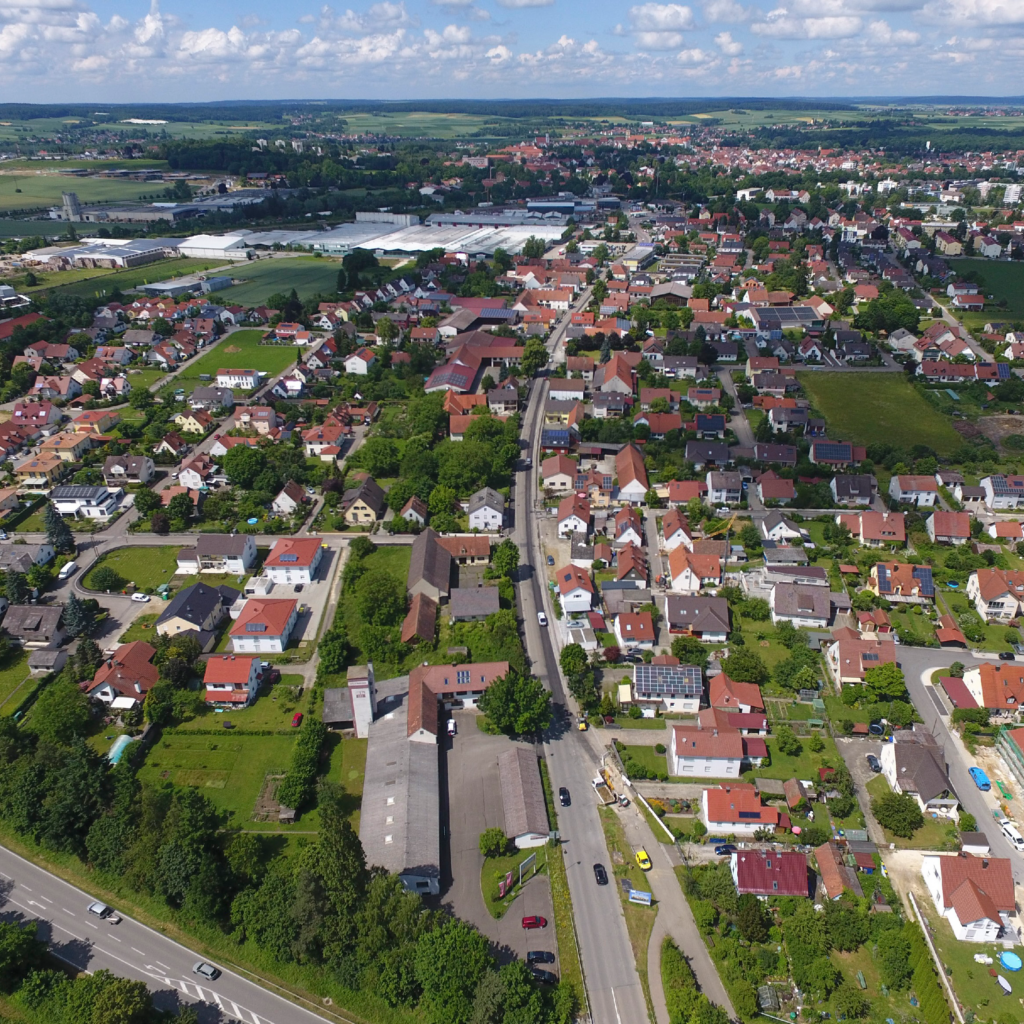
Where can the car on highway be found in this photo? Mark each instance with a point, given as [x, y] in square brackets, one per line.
[542, 619]
[205, 970]
[725, 850]
[540, 956]
[103, 912]
[873, 763]
[980, 779]
[535, 921]
[600, 875]
[296, 719]
[544, 977]
[1006, 656]
[141, 598]
[642, 860]
[563, 796]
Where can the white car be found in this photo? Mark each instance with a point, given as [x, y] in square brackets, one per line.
[542, 619]
[141, 598]
[451, 727]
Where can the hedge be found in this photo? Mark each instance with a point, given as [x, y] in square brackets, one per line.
[300, 781]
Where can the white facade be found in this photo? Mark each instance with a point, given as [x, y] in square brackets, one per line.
[264, 643]
[294, 573]
[486, 518]
[984, 930]
[633, 492]
[101, 505]
[355, 363]
[576, 600]
[680, 536]
[734, 828]
[245, 380]
[572, 524]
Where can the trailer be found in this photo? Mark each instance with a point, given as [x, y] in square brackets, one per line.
[603, 790]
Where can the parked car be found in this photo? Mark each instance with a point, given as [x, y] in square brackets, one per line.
[1006, 656]
[141, 598]
[451, 727]
[535, 921]
[725, 850]
[600, 875]
[205, 970]
[542, 619]
[980, 779]
[298, 588]
[563, 796]
[551, 559]
[643, 861]
[540, 956]
[873, 763]
[544, 977]
[296, 719]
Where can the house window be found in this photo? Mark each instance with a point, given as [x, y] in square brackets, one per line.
[775, 885]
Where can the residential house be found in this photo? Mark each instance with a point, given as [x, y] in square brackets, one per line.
[21, 557]
[836, 876]
[566, 390]
[573, 516]
[1003, 492]
[218, 553]
[232, 681]
[363, 504]
[294, 560]
[360, 361]
[97, 421]
[724, 488]
[415, 511]
[195, 422]
[291, 498]
[211, 398]
[682, 492]
[773, 488]
[804, 607]
[628, 527]
[770, 873]
[670, 688]
[35, 626]
[630, 565]
[634, 629]
[876, 529]
[119, 470]
[421, 621]
[69, 446]
[997, 594]
[902, 583]
[430, 568]
[196, 473]
[575, 589]
[199, 607]
[734, 808]
[473, 604]
[915, 764]
[264, 626]
[849, 656]
[631, 474]
[974, 894]
[838, 454]
[707, 453]
[688, 571]
[243, 380]
[675, 530]
[706, 618]
[558, 473]
[725, 694]
[486, 510]
[125, 676]
[914, 490]
[82, 502]
[776, 527]
[260, 418]
[949, 527]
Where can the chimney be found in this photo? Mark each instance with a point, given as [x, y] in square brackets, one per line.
[984, 864]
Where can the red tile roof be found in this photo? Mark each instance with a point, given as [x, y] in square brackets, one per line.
[728, 694]
[769, 873]
[228, 668]
[977, 887]
[273, 614]
[302, 549]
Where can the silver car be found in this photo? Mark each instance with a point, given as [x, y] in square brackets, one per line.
[205, 970]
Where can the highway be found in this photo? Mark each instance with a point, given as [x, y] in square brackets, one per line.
[132, 950]
[612, 982]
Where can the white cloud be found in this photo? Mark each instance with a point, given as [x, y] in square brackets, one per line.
[728, 45]
[515, 4]
[979, 12]
[659, 40]
[660, 17]
[726, 10]
[694, 56]
[781, 24]
[881, 33]
[498, 54]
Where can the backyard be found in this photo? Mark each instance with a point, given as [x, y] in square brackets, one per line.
[13, 672]
[930, 836]
[241, 350]
[274, 708]
[887, 410]
[147, 568]
[308, 275]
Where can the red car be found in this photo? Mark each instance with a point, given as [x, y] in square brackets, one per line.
[296, 719]
[534, 921]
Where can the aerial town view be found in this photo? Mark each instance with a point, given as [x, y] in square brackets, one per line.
[481, 553]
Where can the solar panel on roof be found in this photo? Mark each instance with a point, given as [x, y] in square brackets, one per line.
[832, 450]
[1003, 370]
[289, 558]
[668, 681]
[255, 627]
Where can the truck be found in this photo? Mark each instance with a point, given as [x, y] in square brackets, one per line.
[603, 790]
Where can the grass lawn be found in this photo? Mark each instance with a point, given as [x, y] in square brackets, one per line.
[140, 629]
[974, 987]
[241, 350]
[229, 770]
[930, 836]
[13, 672]
[308, 275]
[837, 711]
[882, 1006]
[804, 765]
[887, 409]
[104, 281]
[494, 870]
[646, 756]
[639, 919]
[147, 568]
[144, 378]
[1001, 280]
[917, 628]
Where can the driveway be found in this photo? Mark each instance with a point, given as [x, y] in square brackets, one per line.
[855, 754]
[471, 802]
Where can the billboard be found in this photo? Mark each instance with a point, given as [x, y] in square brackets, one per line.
[643, 898]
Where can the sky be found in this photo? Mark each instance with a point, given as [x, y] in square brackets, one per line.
[177, 50]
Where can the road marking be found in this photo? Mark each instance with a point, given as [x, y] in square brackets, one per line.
[66, 911]
[26, 888]
[114, 937]
[48, 901]
[94, 926]
[163, 967]
[615, 1003]
[139, 951]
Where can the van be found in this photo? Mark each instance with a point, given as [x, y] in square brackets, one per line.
[67, 570]
[1012, 833]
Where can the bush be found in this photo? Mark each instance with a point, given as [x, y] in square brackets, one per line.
[899, 813]
[493, 842]
[299, 783]
[106, 578]
[659, 748]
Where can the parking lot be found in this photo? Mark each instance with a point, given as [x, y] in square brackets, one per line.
[313, 597]
[470, 803]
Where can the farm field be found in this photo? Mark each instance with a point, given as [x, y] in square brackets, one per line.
[306, 274]
[418, 123]
[241, 350]
[43, 189]
[1001, 280]
[98, 282]
[887, 410]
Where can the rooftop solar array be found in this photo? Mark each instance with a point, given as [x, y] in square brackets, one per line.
[833, 450]
[654, 681]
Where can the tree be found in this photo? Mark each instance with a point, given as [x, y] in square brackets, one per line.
[894, 959]
[493, 842]
[573, 660]
[77, 618]
[505, 558]
[899, 813]
[756, 609]
[146, 501]
[58, 533]
[103, 577]
[886, 682]
[611, 654]
[690, 651]
[380, 598]
[535, 356]
[849, 1002]
[181, 507]
[751, 919]
[61, 713]
[786, 741]
[900, 714]
[449, 963]
[967, 822]
[160, 522]
[243, 465]
[15, 586]
[379, 456]
[386, 330]
[122, 1001]
[745, 666]
[517, 703]
[441, 500]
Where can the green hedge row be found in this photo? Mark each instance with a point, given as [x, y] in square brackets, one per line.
[300, 782]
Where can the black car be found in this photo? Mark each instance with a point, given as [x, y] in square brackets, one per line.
[563, 796]
[1006, 656]
[544, 977]
[600, 874]
[540, 956]
[725, 850]
[873, 763]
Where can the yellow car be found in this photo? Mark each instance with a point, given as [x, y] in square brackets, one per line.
[643, 860]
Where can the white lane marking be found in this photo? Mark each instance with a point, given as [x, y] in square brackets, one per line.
[615, 1003]
[139, 951]
[25, 887]
[96, 927]
[114, 937]
[66, 911]
[162, 967]
[44, 898]
[32, 903]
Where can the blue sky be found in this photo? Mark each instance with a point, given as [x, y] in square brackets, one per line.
[104, 50]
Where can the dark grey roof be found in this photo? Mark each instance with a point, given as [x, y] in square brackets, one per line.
[699, 614]
[337, 705]
[486, 497]
[220, 544]
[522, 795]
[430, 562]
[195, 604]
[470, 602]
[918, 769]
[70, 492]
[369, 491]
[854, 485]
[784, 556]
[33, 621]
[707, 451]
[214, 395]
[793, 600]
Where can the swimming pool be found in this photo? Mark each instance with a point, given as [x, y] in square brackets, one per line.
[117, 749]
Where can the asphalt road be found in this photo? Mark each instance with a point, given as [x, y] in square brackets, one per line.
[613, 985]
[132, 950]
